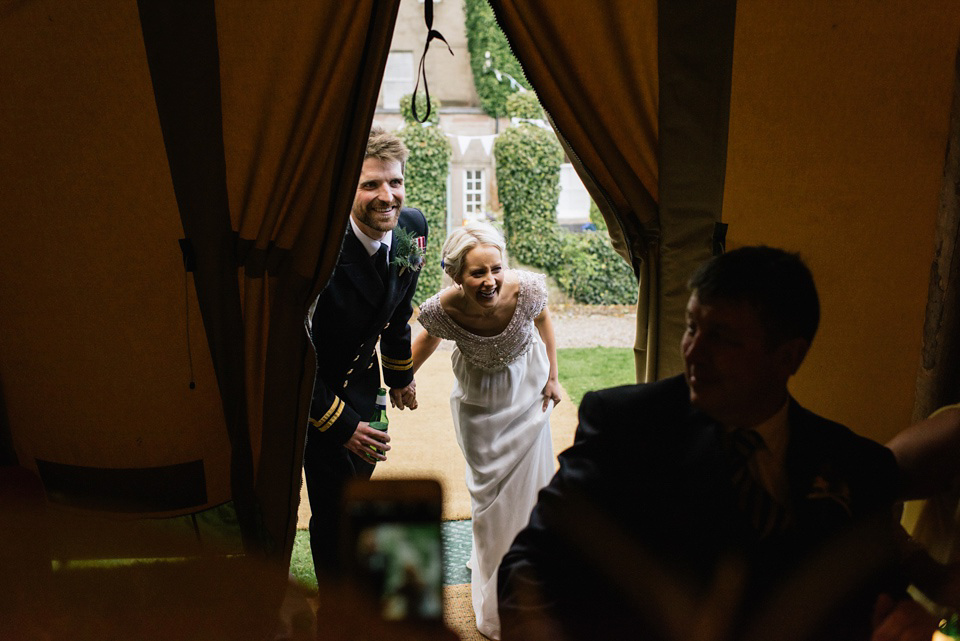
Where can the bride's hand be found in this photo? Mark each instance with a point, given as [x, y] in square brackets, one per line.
[551, 392]
[404, 396]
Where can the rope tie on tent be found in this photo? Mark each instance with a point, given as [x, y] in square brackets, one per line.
[422, 70]
[189, 265]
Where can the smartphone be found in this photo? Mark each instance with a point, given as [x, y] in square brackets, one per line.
[392, 550]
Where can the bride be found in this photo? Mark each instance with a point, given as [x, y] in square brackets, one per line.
[505, 363]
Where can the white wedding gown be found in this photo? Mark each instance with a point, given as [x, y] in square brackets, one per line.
[502, 430]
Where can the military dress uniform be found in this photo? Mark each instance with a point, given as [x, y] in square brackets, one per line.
[353, 312]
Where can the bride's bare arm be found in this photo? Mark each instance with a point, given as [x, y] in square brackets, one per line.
[423, 346]
[551, 391]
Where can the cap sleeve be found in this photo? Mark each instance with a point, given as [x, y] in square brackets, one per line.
[433, 319]
[535, 293]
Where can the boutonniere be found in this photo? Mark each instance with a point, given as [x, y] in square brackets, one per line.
[838, 492]
[410, 250]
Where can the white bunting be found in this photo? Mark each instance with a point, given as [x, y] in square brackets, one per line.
[487, 142]
[514, 83]
[537, 122]
[463, 142]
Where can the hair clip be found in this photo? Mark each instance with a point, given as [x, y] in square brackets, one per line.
[442, 264]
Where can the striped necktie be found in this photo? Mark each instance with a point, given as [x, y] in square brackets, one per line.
[767, 515]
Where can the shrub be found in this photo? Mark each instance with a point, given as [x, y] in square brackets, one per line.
[592, 272]
[524, 105]
[585, 265]
[406, 109]
[425, 178]
[596, 217]
[484, 35]
[528, 185]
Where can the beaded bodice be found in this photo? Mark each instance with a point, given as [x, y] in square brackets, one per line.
[492, 352]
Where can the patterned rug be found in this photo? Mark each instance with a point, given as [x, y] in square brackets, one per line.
[457, 537]
[457, 603]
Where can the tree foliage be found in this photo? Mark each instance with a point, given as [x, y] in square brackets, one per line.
[483, 36]
[592, 272]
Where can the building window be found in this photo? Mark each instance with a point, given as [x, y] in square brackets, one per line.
[397, 78]
[473, 195]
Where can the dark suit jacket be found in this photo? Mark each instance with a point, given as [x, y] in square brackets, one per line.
[642, 508]
[352, 313]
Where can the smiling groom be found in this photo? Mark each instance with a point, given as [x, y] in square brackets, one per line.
[369, 298]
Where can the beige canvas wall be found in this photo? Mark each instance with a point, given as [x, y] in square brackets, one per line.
[838, 126]
[94, 364]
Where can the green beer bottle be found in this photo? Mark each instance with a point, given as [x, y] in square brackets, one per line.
[379, 421]
[950, 626]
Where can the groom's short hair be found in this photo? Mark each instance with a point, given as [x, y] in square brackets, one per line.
[776, 283]
[385, 146]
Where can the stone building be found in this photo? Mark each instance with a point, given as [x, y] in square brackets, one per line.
[471, 183]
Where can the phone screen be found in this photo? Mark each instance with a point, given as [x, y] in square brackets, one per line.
[396, 547]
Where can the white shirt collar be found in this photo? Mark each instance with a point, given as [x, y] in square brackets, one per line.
[370, 244]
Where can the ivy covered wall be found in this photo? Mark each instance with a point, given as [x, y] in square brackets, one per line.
[483, 36]
[584, 264]
[528, 161]
[425, 179]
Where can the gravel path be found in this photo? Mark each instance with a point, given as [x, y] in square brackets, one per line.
[584, 326]
[594, 325]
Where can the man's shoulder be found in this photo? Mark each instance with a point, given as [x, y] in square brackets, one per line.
[412, 219]
[648, 418]
[836, 436]
[836, 448]
[668, 394]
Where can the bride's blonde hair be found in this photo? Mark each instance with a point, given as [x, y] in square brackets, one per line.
[463, 239]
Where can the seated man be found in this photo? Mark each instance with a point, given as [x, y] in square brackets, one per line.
[712, 505]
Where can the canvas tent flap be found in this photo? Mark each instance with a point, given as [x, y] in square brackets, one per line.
[639, 92]
[118, 146]
[839, 123]
[95, 292]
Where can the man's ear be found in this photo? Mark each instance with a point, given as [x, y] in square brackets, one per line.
[790, 354]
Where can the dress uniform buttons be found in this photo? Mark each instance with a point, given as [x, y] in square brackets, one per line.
[345, 383]
[370, 365]
[350, 371]
[356, 358]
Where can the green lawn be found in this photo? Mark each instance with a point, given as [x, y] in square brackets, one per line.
[589, 368]
[301, 562]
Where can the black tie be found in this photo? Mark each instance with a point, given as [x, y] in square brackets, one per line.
[380, 263]
[766, 514]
